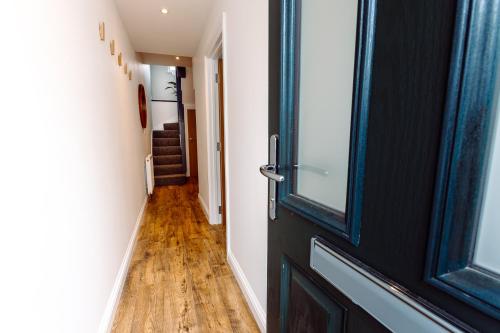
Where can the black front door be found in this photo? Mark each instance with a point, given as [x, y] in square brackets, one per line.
[371, 102]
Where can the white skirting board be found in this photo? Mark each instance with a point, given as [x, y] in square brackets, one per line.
[255, 306]
[204, 207]
[112, 305]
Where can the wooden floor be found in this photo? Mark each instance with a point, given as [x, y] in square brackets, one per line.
[179, 279]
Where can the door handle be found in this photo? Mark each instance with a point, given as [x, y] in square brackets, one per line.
[269, 171]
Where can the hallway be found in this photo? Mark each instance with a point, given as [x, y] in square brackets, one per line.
[179, 279]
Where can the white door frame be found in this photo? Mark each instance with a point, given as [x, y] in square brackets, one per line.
[214, 155]
[211, 68]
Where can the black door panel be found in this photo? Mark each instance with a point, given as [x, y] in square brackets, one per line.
[409, 86]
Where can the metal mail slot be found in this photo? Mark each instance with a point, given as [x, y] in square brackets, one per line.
[385, 302]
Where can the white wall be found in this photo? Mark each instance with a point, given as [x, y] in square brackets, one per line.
[246, 56]
[159, 81]
[166, 112]
[160, 78]
[187, 87]
[163, 113]
[73, 163]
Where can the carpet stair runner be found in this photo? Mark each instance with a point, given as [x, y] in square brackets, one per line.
[167, 156]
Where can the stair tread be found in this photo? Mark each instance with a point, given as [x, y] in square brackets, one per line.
[175, 175]
[173, 168]
[166, 131]
[166, 146]
[176, 138]
[169, 165]
[167, 160]
[171, 126]
[166, 150]
[167, 155]
[173, 179]
[166, 139]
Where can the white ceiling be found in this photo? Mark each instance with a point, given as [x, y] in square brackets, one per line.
[175, 33]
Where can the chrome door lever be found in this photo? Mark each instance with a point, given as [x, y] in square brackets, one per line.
[269, 170]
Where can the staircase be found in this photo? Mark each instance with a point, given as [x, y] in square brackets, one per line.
[167, 156]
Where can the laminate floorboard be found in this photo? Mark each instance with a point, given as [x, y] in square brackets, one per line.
[179, 279]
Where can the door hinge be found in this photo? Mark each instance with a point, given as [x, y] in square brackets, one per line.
[218, 146]
[220, 209]
[216, 78]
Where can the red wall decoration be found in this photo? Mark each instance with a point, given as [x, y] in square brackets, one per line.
[143, 110]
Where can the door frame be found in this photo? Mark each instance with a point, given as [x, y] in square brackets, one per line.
[218, 50]
[222, 139]
[191, 154]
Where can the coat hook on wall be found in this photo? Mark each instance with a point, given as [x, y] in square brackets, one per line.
[125, 69]
[130, 75]
[102, 31]
[112, 47]
[120, 61]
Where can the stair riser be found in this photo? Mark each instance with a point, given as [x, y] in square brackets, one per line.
[171, 126]
[166, 151]
[168, 170]
[166, 134]
[162, 142]
[170, 181]
[163, 160]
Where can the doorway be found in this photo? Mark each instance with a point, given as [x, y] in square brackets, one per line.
[216, 88]
[221, 150]
[193, 146]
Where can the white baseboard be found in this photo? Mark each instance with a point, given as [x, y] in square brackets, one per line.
[113, 300]
[204, 207]
[255, 306]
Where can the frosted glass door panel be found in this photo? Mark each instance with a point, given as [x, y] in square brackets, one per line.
[487, 252]
[327, 56]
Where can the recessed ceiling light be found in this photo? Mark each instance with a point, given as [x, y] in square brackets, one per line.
[177, 58]
[164, 11]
